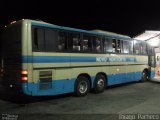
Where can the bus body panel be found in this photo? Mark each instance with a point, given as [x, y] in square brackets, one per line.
[60, 77]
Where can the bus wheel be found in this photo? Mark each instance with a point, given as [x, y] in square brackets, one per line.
[99, 84]
[144, 76]
[82, 86]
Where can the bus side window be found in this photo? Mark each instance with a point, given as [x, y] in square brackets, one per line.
[38, 39]
[108, 45]
[113, 45]
[137, 47]
[62, 41]
[144, 48]
[97, 46]
[51, 40]
[74, 41]
[126, 47]
[118, 46]
[87, 43]
[130, 47]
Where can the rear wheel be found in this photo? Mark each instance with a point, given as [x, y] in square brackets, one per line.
[99, 84]
[82, 86]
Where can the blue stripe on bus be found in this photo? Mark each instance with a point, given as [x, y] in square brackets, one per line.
[67, 86]
[45, 59]
[64, 59]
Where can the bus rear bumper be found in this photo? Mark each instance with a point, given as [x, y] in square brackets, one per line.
[57, 87]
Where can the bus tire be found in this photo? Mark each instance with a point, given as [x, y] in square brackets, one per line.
[82, 86]
[144, 77]
[99, 84]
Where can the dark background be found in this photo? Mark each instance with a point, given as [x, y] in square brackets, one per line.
[124, 17]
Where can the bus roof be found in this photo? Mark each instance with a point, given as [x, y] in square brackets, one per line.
[95, 32]
[111, 33]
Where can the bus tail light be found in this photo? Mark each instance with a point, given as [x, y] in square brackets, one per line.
[24, 74]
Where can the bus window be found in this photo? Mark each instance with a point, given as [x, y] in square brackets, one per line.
[97, 44]
[44, 39]
[144, 50]
[38, 39]
[108, 45]
[130, 47]
[87, 43]
[118, 46]
[140, 47]
[113, 45]
[137, 47]
[51, 40]
[74, 41]
[126, 47]
[62, 39]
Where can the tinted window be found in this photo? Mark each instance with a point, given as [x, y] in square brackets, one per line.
[74, 41]
[137, 47]
[127, 47]
[131, 47]
[62, 41]
[140, 47]
[51, 41]
[97, 46]
[118, 46]
[45, 39]
[108, 45]
[87, 42]
[144, 49]
[38, 39]
[113, 45]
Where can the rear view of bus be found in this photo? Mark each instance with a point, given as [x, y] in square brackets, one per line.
[13, 40]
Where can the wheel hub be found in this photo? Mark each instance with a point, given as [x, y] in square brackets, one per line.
[83, 86]
[100, 83]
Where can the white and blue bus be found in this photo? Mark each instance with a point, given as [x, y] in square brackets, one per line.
[42, 59]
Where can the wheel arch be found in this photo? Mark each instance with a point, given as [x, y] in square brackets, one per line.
[87, 76]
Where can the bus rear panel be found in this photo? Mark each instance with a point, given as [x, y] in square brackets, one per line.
[12, 55]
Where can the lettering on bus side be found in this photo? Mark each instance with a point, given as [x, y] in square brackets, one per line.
[115, 59]
[102, 59]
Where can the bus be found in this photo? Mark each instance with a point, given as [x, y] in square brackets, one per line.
[157, 64]
[42, 59]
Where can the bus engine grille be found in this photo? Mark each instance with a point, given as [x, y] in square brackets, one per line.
[45, 80]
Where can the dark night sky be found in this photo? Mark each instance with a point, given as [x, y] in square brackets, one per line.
[124, 17]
